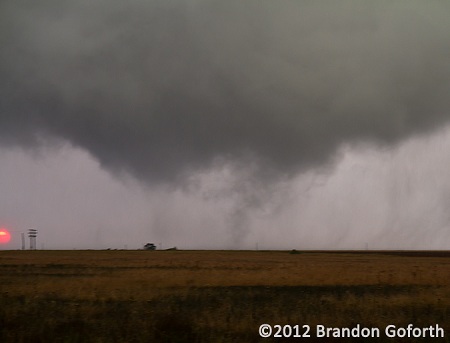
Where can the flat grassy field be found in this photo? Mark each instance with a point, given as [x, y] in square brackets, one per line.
[217, 296]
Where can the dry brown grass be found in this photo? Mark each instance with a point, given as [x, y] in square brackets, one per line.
[213, 296]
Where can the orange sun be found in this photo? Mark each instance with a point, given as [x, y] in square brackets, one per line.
[4, 236]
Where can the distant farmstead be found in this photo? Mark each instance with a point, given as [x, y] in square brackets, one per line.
[149, 246]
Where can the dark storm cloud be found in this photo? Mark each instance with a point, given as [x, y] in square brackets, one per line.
[164, 88]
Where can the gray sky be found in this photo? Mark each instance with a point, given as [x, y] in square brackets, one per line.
[212, 124]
